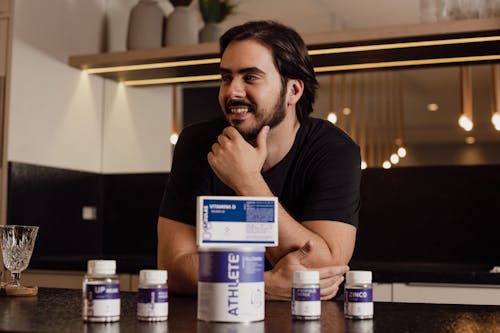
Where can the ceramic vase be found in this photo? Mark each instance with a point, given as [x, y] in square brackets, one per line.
[210, 33]
[146, 25]
[182, 27]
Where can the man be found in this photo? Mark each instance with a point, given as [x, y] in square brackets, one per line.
[266, 146]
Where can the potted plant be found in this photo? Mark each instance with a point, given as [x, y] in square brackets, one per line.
[213, 12]
[178, 3]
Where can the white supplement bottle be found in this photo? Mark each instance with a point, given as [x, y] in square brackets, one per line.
[306, 302]
[358, 302]
[152, 297]
[101, 292]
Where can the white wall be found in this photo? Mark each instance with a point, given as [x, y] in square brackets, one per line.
[61, 117]
[137, 120]
[55, 111]
[137, 128]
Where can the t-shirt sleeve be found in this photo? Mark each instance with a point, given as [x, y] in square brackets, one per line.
[186, 179]
[333, 184]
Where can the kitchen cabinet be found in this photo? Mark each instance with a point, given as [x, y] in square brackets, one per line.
[70, 279]
[5, 33]
[435, 293]
[382, 292]
[443, 43]
[446, 293]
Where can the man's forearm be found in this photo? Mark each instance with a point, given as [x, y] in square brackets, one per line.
[183, 274]
[292, 234]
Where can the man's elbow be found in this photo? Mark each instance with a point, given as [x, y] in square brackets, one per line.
[340, 256]
[336, 254]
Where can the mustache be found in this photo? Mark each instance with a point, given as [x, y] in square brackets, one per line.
[230, 103]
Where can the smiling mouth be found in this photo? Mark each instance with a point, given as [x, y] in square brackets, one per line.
[239, 110]
[239, 107]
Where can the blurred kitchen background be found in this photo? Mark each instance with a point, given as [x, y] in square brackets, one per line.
[86, 158]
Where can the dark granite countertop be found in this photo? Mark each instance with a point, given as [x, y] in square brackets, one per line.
[59, 310]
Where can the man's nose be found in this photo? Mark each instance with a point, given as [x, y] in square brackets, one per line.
[236, 89]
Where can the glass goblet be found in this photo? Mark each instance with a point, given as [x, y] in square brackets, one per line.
[17, 243]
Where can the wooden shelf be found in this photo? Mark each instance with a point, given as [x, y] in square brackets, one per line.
[452, 42]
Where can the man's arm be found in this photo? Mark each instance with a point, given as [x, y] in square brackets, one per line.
[239, 166]
[177, 253]
[334, 241]
[278, 280]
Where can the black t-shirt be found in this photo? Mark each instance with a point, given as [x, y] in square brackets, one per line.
[319, 178]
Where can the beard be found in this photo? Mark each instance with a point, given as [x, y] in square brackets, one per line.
[272, 120]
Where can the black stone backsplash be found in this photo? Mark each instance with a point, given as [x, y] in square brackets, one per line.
[131, 203]
[419, 215]
[446, 214]
[53, 198]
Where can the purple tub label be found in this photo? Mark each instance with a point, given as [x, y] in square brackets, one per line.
[231, 266]
[360, 295]
[231, 285]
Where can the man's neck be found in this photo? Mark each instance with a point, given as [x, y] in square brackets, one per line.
[280, 140]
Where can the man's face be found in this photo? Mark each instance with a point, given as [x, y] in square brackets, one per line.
[251, 94]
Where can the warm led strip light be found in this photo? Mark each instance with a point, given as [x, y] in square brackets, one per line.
[157, 65]
[362, 48]
[197, 78]
[403, 45]
[169, 80]
[402, 63]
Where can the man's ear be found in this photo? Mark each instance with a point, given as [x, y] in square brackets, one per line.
[295, 88]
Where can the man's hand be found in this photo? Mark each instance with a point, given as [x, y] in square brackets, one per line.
[279, 280]
[235, 161]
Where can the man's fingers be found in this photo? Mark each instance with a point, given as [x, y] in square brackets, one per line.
[330, 286]
[223, 139]
[329, 293]
[305, 250]
[215, 148]
[262, 138]
[231, 132]
[332, 281]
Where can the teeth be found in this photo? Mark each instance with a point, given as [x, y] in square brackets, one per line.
[239, 110]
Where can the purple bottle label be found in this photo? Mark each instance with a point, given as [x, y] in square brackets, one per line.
[231, 266]
[359, 295]
[103, 291]
[152, 295]
[305, 294]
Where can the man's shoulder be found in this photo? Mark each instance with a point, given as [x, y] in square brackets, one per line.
[320, 131]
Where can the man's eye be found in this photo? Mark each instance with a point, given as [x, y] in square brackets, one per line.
[250, 77]
[226, 78]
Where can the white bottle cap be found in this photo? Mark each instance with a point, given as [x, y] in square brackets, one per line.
[153, 276]
[306, 277]
[101, 267]
[359, 277]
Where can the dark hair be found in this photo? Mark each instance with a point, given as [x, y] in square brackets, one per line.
[289, 54]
